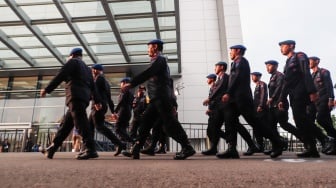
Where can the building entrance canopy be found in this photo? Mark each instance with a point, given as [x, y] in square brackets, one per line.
[38, 35]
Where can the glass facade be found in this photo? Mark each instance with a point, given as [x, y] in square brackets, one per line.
[20, 101]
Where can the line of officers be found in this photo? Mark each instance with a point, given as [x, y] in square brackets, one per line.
[311, 98]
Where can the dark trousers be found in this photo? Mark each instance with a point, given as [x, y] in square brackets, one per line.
[121, 127]
[281, 116]
[75, 117]
[245, 108]
[303, 122]
[135, 126]
[158, 135]
[214, 129]
[162, 108]
[323, 117]
[97, 120]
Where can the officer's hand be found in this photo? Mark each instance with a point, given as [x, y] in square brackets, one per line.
[259, 109]
[98, 107]
[208, 112]
[313, 97]
[43, 93]
[206, 102]
[114, 116]
[331, 104]
[280, 106]
[225, 98]
[269, 101]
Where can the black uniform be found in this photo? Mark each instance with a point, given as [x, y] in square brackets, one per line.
[298, 85]
[241, 103]
[276, 115]
[97, 118]
[78, 91]
[139, 105]
[160, 105]
[124, 110]
[259, 100]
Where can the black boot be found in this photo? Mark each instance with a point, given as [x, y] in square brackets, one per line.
[251, 150]
[134, 153]
[150, 150]
[186, 152]
[162, 149]
[211, 151]
[277, 149]
[120, 148]
[230, 153]
[88, 154]
[49, 151]
[309, 152]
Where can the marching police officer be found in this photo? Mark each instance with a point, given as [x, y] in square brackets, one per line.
[78, 91]
[260, 96]
[300, 87]
[139, 106]
[97, 117]
[239, 99]
[325, 102]
[160, 105]
[277, 115]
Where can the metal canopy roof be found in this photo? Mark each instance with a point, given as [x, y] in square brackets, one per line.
[37, 35]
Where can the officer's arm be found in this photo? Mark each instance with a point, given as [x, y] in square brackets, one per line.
[308, 80]
[148, 73]
[61, 75]
[263, 95]
[329, 85]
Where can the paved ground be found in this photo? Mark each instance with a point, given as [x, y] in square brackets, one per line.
[33, 170]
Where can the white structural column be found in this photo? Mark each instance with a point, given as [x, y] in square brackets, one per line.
[208, 28]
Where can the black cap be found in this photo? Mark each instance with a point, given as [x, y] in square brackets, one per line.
[272, 62]
[212, 76]
[221, 63]
[256, 73]
[156, 41]
[239, 46]
[314, 58]
[287, 42]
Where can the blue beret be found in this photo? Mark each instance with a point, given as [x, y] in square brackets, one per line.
[76, 51]
[126, 79]
[288, 42]
[314, 58]
[272, 62]
[256, 73]
[212, 76]
[98, 67]
[238, 47]
[221, 63]
[155, 41]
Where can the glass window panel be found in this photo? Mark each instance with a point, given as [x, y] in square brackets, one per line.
[54, 28]
[136, 23]
[27, 41]
[167, 21]
[7, 54]
[24, 83]
[94, 26]
[106, 49]
[138, 36]
[111, 59]
[137, 48]
[131, 7]
[47, 62]
[165, 5]
[170, 46]
[16, 30]
[15, 64]
[100, 37]
[168, 35]
[19, 108]
[49, 109]
[38, 52]
[32, 1]
[63, 39]
[42, 11]
[139, 58]
[7, 14]
[3, 84]
[85, 9]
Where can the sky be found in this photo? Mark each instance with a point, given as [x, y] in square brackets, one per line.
[311, 23]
